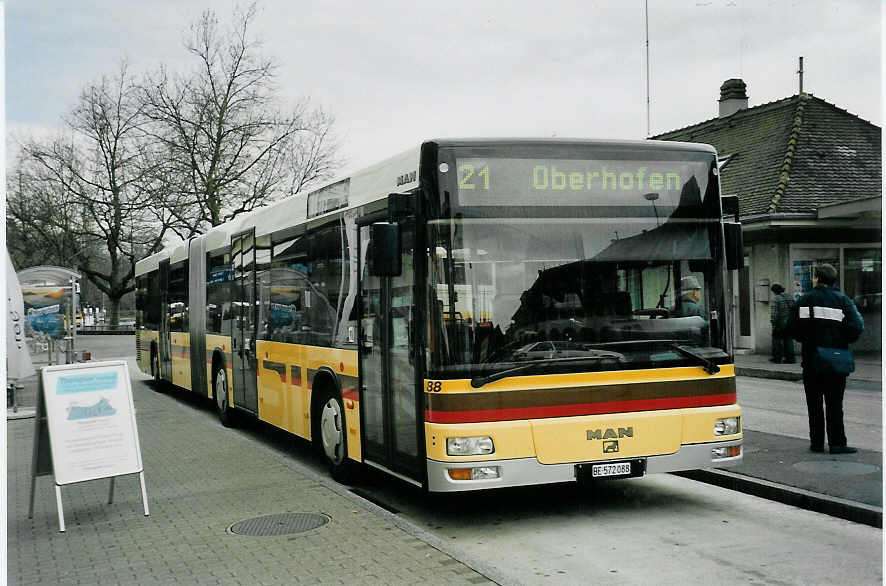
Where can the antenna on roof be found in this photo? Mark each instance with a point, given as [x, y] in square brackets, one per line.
[648, 125]
[800, 72]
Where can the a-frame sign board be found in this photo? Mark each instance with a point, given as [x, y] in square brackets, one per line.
[85, 428]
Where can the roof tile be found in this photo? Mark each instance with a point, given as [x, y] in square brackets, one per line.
[792, 155]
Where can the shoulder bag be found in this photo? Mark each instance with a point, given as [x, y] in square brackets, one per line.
[833, 360]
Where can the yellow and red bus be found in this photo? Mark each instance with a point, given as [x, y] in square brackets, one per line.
[471, 314]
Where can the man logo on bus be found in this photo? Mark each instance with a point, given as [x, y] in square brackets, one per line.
[406, 178]
[610, 447]
[610, 433]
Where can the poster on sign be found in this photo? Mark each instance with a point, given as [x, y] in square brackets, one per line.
[91, 419]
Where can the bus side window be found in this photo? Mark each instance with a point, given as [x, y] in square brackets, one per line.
[263, 285]
[218, 302]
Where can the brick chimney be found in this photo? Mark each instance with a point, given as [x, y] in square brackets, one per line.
[733, 97]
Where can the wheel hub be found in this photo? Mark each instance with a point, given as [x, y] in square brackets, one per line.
[221, 390]
[331, 430]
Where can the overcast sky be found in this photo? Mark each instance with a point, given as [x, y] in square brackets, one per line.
[396, 73]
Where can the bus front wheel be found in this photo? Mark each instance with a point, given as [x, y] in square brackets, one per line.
[220, 391]
[333, 439]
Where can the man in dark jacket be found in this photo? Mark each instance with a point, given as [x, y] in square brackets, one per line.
[824, 317]
[779, 312]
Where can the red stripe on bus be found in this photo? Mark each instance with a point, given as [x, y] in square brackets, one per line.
[577, 409]
[352, 394]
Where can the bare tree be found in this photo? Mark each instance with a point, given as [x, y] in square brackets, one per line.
[229, 147]
[37, 218]
[97, 193]
[168, 155]
[310, 154]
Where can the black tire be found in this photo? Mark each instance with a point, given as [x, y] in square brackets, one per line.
[332, 438]
[220, 394]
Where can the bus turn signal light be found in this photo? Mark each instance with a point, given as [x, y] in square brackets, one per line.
[460, 473]
[725, 452]
[478, 473]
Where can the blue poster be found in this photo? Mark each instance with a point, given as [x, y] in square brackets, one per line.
[50, 324]
[85, 383]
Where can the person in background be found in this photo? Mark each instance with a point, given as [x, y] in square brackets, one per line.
[824, 317]
[779, 312]
[690, 296]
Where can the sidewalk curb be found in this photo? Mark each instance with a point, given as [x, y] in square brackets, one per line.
[797, 497]
[765, 373]
[755, 372]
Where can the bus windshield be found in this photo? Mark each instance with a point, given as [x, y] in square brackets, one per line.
[619, 292]
[602, 275]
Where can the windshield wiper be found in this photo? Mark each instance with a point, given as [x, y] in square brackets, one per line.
[480, 381]
[709, 366]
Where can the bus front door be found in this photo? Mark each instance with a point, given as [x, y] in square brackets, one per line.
[244, 361]
[389, 398]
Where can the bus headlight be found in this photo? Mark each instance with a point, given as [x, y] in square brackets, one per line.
[469, 446]
[727, 426]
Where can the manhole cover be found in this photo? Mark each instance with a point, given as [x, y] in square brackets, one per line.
[832, 467]
[282, 524]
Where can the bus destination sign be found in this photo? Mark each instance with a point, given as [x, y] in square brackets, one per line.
[507, 182]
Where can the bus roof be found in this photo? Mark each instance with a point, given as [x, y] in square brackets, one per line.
[642, 144]
[150, 263]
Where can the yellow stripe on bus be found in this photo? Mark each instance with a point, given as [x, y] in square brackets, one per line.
[551, 381]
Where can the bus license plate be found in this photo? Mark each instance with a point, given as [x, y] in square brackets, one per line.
[611, 469]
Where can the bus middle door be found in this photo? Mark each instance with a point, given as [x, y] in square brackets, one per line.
[244, 361]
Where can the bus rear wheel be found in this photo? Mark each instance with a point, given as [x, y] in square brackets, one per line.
[333, 439]
[220, 392]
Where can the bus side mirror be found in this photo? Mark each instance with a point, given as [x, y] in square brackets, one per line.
[730, 205]
[734, 246]
[384, 258]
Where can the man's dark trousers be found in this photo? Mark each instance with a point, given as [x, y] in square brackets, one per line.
[829, 387]
[782, 347]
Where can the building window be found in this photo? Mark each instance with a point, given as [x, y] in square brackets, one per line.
[802, 261]
[862, 278]
[859, 271]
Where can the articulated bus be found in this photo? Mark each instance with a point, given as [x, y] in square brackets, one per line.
[471, 314]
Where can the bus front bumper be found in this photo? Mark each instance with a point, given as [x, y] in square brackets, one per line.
[528, 471]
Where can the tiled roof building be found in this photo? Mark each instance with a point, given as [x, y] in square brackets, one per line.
[793, 155]
[808, 175]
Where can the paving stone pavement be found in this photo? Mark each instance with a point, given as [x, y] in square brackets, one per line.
[201, 478]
